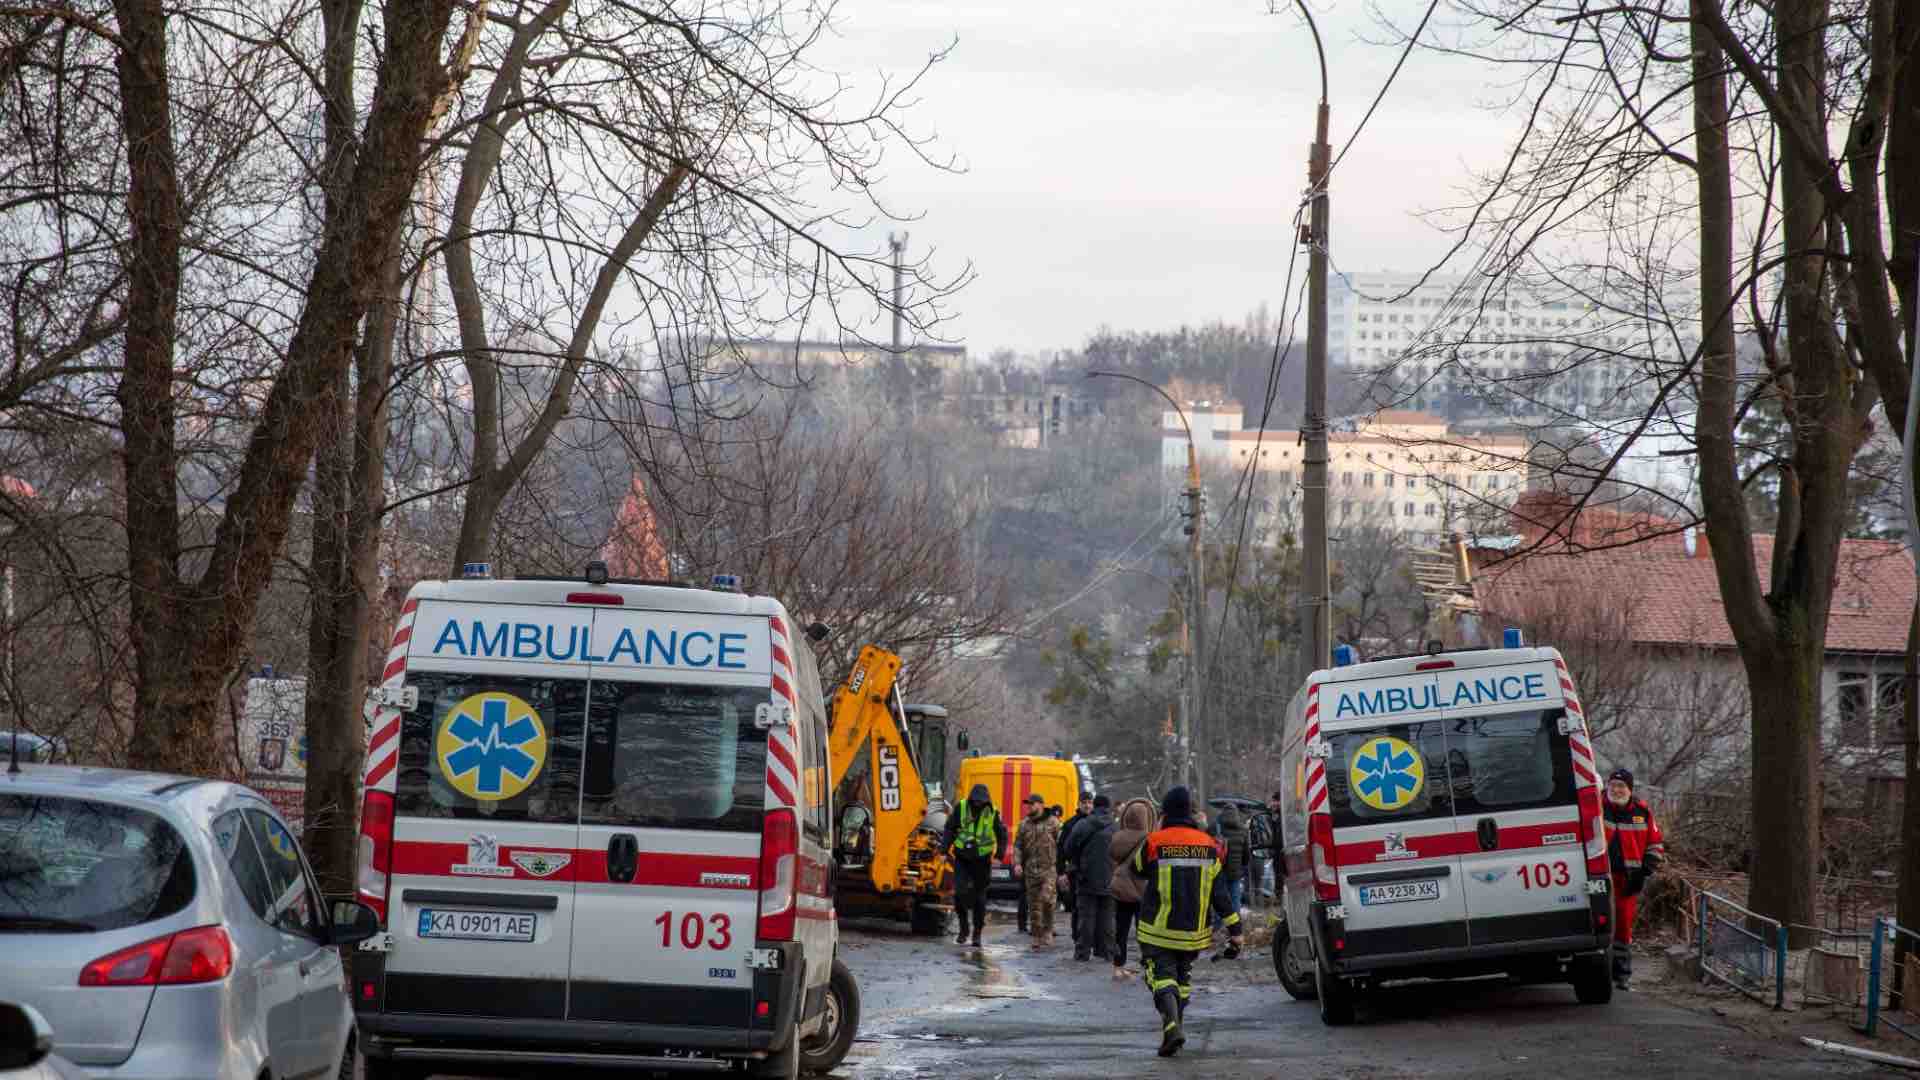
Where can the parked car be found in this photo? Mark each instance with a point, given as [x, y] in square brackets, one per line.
[26, 1047]
[169, 927]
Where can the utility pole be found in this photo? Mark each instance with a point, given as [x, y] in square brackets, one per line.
[1319, 607]
[898, 242]
[1197, 606]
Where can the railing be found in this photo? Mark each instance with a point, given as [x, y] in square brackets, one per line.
[1742, 948]
[1878, 969]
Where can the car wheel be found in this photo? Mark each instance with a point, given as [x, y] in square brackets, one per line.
[349, 1063]
[1592, 979]
[829, 1046]
[1295, 976]
[1336, 998]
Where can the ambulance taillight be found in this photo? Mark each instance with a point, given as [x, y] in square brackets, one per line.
[779, 865]
[1599, 865]
[1326, 881]
[376, 851]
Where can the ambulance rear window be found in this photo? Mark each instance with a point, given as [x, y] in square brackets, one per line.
[673, 755]
[500, 747]
[1509, 761]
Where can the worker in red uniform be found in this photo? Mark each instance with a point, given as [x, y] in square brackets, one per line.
[1636, 850]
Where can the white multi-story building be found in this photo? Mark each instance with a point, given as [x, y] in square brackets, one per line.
[1460, 346]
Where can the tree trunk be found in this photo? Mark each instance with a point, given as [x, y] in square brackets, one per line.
[1786, 783]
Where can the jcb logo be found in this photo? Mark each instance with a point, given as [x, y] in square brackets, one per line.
[889, 778]
[858, 680]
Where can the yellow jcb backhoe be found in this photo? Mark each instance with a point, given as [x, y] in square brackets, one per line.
[889, 769]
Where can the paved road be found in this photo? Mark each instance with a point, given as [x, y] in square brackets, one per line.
[936, 1010]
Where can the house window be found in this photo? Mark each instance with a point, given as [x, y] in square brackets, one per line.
[1872, 708]
[1433, 510]
[1286, 476]
[1413, 483]
[1366, 480]
[1346, 479]
[1389, 481]
[1409, 509]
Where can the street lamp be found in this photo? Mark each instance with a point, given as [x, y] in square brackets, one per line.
[1190, 766]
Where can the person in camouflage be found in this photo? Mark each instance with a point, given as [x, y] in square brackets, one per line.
[1037, 842]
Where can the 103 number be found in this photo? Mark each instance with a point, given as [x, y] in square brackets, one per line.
[1545, 876]
[695, 930]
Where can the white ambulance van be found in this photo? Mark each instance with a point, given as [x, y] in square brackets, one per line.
[596, 823]
[1441, 818]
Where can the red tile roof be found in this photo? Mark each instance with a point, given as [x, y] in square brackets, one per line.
[1666, 597]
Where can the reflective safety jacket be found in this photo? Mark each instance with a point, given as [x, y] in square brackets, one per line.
[1632, 834]
[977, 831]
[1181, 867]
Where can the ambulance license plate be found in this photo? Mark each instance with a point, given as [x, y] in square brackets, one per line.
[477, 925]
[1399, 892]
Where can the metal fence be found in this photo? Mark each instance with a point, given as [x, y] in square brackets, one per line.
[1888, 993]
[1742, 948]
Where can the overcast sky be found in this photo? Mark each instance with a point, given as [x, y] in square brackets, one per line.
[1136, 164]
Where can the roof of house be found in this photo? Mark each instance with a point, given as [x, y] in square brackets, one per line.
[1664, 596]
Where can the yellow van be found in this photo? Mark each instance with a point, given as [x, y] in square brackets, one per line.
[1010, 778]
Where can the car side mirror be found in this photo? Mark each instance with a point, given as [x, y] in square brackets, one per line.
[962, 741]
[25, 1037]
[353, 922]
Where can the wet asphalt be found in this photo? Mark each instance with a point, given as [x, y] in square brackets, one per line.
[933, 1009]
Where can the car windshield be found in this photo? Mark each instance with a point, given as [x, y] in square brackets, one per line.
[71, 864]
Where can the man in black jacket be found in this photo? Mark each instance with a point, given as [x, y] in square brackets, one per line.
[1080, 812]
[1237, 843]
[1093, 882]
[976, 839]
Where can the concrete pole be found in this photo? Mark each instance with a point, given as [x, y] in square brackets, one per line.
[1197, 598]
[1313, 426]
[899, 245]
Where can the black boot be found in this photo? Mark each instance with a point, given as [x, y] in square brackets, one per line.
[976, 937]
[961, 937]
[1171, 1037]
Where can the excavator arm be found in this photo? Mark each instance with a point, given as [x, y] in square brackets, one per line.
[865, 715]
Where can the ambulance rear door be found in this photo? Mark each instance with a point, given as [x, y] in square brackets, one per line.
[673, 792]
[1515, 798]
[1395, 835]
[486, 806]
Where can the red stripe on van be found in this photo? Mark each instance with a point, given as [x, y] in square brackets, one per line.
[381, 737]
[381, 768]
[780, 655]
[781, 688]
[783, 755]
[428, 859]
[781, 795]
[1442, 845]
[1006, 799]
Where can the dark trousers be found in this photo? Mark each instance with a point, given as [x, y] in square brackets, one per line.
[970, 877]
[1124, 916]
[1023, 906]
[1256, 873]
[1096, 925]
[1169, 975]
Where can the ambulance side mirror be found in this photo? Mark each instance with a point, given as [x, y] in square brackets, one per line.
[772, 715]
[1568, 725]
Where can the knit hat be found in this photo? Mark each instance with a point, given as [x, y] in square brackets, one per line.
[1101, 802]
[1177, 805]
[1625, 776]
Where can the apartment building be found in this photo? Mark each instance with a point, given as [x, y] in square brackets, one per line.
[1407, 471]
[1450, 345]
[772, 354]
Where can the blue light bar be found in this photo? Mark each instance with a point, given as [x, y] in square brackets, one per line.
[1511, 638]
[1343, 655]
[726, 582]
[476, 571]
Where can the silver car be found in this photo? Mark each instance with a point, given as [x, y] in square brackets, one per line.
[169, 927]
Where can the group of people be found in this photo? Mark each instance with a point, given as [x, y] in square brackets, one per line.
[1159, 875]
[1145, 874]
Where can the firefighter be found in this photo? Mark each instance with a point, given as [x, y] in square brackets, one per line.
[976, 839]
[1182, 868]
[1037, 841]
[1635, 848]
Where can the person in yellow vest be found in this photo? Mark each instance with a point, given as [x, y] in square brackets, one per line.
[1182, 868]
[976, 839]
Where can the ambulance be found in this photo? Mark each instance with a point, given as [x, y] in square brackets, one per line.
[597, 827]
[1441, 818]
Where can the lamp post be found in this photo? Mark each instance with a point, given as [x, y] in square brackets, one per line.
[1313, 425]
[1191, 768]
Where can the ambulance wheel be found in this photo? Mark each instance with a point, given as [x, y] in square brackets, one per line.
[1592, 979]
[928, 921]
[1336, 998]
[828, 1047]
[1295, 976]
